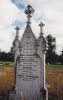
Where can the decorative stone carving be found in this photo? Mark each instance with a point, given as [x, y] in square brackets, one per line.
[30, 63]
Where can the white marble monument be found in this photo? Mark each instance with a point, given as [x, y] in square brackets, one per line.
[29, 71]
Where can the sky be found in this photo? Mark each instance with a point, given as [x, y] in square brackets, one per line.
[50, 12]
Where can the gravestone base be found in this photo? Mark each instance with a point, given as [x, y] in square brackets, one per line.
[44, 94]
[12, 95]
[17, 95]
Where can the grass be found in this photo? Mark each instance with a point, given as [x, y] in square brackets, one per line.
[48, 66]
[52, 67]
[6, 64]
[54, 79]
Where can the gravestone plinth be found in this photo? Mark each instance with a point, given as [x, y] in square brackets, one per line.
[29, 80]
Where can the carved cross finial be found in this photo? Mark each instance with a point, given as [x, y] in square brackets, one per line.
[41, 27]
[17, 31]
[28, 11]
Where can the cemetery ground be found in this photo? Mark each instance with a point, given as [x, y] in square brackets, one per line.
[54, 79]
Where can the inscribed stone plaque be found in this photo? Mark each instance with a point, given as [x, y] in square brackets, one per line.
[28, 76]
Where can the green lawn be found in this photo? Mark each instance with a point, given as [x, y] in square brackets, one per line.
[7, 64]
[54, 67]
[48, 66]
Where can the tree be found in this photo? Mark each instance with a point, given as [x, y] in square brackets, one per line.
[51, 56]
[3, 56]
[6, 56]
[51, 43]
[10, 56]
[61, 57]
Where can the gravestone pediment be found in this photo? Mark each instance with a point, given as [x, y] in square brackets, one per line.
[28, 37]
[28, 41]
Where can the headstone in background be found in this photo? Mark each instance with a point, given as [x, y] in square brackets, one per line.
[30, 63]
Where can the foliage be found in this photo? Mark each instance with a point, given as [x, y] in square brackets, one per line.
[51, 56]
[6, 56]
[51, 43]
[61, 57]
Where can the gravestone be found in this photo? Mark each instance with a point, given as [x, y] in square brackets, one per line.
[29, 83]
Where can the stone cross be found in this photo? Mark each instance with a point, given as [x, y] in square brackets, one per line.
[28, 11]
[41, 28]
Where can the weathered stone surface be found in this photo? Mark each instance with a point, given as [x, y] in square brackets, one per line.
[30, 65]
